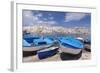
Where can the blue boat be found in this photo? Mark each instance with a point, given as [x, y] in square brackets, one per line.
[42, 54]
[37, 43]
[70, 45]
[26, 44]
[29, 38]
[43, 41]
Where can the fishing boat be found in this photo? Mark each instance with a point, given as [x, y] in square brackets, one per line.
[37, 43]
[80, 39]
[42, 54]
[87, 40]
[43, 41]
[26, 46]
[29, 38]
[70, 45]
[87, 43]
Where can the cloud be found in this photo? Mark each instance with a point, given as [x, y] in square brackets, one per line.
[27, 13]
[28, 17]
[51, 22]
[74, 16]
[45, 19]
[39, 15]
[47, 22]
[31, 18]
[51, 18]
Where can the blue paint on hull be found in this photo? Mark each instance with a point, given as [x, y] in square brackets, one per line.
[43, 41]
[46, 54]
[26, 44]
[71, 42]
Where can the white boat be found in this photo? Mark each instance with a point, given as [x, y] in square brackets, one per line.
[80, 39]
[70, 45]
[35, 48]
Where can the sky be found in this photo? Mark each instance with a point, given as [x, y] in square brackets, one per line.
[53, 18]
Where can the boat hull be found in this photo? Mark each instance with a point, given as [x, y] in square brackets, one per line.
[35, 48]
[69, 50]
[47, 53]
[29, 53]
[88, 47]
[67, 56]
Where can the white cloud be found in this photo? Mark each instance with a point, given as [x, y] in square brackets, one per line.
[74, 16]
[27, 13]
[47, 22]
[51, 22]
[35, 18]
[39, 15]
[51, 18]
[30, 18]
[45, 19]
[40, 22]
[27, 17]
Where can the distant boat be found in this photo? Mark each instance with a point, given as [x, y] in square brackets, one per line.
[87, 43]
[80, 39]
[70, 45]
[38, 43]
[42, 54]
[87, 40]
